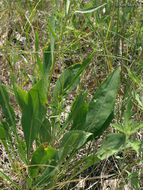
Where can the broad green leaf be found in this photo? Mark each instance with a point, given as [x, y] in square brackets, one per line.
[7, 109]
[78, 112]
[91, 9]
[62, 83]
[112, 144]
[33, 111]
[135, 145]
[68, 80]
[106, 124]
[2, 133]
[47, 60]
[21, 96]
[42, 156]
[84, 65]
[41, 88]
[102, 104]
[22, 100]
[45, 132]
[48, 175]
[72, 141]
[5, 177]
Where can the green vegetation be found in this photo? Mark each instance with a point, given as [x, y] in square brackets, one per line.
[88, 53]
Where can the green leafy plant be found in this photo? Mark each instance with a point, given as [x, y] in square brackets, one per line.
[55, 144]
[123, 142]
[114, 32]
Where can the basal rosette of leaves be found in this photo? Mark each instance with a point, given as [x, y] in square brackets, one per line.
[55, 148]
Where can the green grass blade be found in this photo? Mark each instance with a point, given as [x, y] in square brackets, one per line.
[52, 31]
[47, 175]
[67, 7]
[53, 35]
[91, 9]
[5, 177]
[36, 53]
[88, 160]
[134, 77]
[6, 107]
